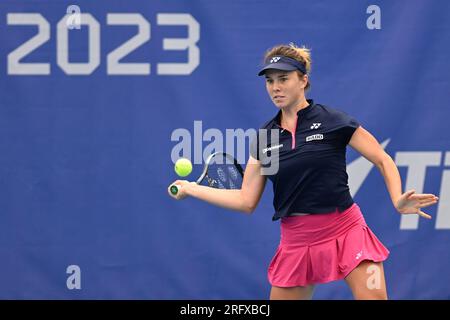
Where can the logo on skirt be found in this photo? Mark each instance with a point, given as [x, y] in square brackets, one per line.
[358, 255]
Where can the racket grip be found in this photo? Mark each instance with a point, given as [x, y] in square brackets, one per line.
[174, 189]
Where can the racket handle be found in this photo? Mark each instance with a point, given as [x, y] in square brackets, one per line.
[174, 189]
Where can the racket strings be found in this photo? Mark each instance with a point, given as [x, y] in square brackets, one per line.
[223, 175]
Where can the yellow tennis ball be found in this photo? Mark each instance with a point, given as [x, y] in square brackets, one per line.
[183, 167]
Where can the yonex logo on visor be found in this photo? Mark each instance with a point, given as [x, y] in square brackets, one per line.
[275, 59]
[283, 63]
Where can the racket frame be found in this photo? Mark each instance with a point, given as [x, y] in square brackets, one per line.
[232, 160]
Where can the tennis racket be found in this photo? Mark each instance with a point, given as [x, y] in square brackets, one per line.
[221, 171]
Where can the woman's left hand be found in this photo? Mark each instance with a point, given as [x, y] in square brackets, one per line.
[411, 203]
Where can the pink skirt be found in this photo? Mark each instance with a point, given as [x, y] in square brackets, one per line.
[320, 248]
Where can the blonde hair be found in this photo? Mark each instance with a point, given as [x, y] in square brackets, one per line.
[303, 55]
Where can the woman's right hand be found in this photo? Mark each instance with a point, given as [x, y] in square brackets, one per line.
[182, 189]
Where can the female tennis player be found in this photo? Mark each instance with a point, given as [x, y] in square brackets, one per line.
[324, 236]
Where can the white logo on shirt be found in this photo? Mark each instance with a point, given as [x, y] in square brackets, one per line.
[272, 148]
[315, 125]
[314, 137]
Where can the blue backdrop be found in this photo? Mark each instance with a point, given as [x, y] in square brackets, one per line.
[86, 140]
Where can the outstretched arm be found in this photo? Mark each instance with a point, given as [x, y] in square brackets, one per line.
[409, 202]
[245, 199]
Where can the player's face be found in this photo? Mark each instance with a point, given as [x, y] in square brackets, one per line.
[285, 88]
